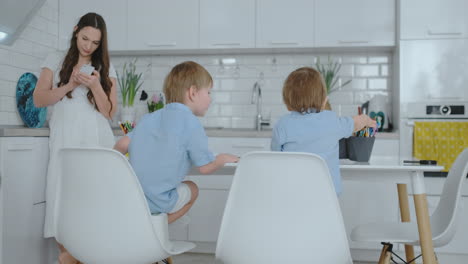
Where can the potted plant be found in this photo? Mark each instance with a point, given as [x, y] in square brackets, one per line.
[130, 82]
[330, 71]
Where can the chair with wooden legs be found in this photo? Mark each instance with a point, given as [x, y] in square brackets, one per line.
[103, 216]
[282, 208]
[443, 221]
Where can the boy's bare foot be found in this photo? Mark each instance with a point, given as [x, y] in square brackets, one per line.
[66, 258]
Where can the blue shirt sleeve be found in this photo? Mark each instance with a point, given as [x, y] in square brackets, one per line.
[277, 138]
[345, 126]
[198, 147]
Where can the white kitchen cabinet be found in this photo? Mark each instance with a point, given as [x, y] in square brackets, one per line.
[207, 212]
[113, 12]
[238, 146]
[354, 23]
[227, 24]
[433, 19]
[285, 23]
[23, 167]
[364, 202]
[162, 25]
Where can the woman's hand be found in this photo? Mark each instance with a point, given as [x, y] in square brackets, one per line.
[91, 81]
[73, 82]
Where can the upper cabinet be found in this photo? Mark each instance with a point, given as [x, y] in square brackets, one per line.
[355, 23]
[285, 23]
[227, 24]
[431, 19]
[162, 25]
[183, 25]
[114, 14]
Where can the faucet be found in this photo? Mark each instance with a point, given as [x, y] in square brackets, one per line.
[257, 98]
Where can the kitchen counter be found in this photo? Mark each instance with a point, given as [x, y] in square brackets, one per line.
[22, 131]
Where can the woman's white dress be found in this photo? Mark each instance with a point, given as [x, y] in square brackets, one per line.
[73, 123]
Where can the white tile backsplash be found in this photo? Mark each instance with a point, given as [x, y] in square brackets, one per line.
[378, 84]
[367, 70]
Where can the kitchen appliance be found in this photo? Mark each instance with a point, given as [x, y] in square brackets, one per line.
[433, 71]
[449, 111]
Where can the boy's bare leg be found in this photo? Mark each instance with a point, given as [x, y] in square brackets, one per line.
[194, 191]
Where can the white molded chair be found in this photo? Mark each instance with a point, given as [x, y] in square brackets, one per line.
[282, 208]
[103, 216]
[443, 221]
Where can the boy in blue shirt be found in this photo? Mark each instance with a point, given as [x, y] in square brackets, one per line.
[310, 128]
[166, 143]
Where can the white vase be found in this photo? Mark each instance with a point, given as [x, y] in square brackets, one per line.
[128, 113]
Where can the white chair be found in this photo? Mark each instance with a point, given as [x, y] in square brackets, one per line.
[282, 208]
[443, 220]
[103, 216]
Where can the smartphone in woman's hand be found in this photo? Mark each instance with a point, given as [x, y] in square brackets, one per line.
[87, 69]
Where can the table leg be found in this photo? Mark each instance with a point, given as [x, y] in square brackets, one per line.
[422, 215]
[405, 215]
[424, 228]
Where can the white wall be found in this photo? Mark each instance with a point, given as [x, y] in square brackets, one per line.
[371, 73]
[25, 55]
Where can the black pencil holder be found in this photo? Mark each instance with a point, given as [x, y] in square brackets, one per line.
[359, 148]
[343, 149]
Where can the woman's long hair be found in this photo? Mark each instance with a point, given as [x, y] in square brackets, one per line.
[99, 58]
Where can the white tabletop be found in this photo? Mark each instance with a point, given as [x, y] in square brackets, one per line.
[386, 163]
[378, 163]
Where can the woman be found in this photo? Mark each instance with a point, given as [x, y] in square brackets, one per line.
[82, 103]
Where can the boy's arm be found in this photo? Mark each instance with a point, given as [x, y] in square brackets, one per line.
[361, 121]
[122, 145]
[218, 163]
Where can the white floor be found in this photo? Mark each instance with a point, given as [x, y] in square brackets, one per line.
[197, 258]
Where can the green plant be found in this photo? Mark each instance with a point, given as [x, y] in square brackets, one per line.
[330, 72]
[129, 82]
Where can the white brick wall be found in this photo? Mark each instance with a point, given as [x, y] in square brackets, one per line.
[26, 54]
[233, 83]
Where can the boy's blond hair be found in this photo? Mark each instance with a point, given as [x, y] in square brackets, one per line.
[304, 89]
[182, 77]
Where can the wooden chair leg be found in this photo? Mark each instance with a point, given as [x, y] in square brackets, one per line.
[168, 261]
[385, 255]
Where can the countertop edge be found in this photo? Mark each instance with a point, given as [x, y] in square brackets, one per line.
[20, 131]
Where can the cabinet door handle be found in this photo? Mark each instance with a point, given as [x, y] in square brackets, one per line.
[14, 147]
[226, 44]
[284, 43]
[353, 41]
[441, 33]
[43, 202]
[172, 44]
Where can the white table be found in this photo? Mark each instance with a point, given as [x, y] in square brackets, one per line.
[392, 170]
